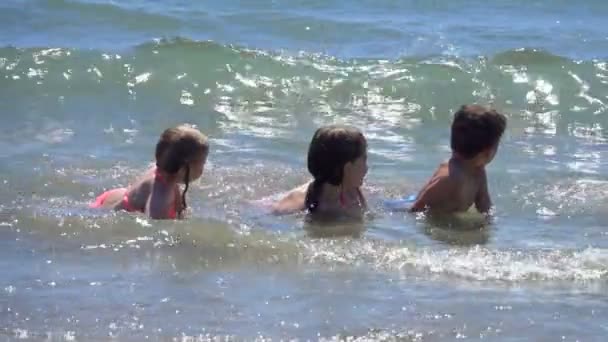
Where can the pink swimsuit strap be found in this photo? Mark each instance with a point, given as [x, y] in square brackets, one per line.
[342, 200]
[359, 194]
[159, 177]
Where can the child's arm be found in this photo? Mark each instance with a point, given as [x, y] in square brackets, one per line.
[483, 203]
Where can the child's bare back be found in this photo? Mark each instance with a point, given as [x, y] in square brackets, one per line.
[454, 189]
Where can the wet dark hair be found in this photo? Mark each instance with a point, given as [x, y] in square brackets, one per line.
[330, 149]
[176, 148]
[476, 128]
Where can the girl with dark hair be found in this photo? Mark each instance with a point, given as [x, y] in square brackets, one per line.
[337, 160]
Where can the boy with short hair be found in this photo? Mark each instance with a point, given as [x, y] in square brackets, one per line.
[461, 181]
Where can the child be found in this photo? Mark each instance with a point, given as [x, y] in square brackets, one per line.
[181, 154]
[337, 160]
[461, 181]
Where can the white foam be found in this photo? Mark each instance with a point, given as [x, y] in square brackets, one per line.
[142, 222]
[245, 81]
[142, 78]
[477, 263]
[186, 98]
[543, 91]
[520, 77]
[21, 334]
[95, 71]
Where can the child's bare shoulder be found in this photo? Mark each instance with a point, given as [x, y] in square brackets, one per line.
[441, 182]
[292, 201]
[441, 174]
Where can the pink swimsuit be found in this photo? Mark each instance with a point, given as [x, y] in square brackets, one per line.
[99, 201]
[359, 194]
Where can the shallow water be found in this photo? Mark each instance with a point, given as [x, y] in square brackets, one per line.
[87, 86]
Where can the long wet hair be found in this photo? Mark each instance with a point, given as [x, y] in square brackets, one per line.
[176, 148]
[330, 149]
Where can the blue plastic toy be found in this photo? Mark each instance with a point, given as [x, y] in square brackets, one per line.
[400, 203]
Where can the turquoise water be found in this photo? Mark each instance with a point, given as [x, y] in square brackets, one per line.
[87, 86]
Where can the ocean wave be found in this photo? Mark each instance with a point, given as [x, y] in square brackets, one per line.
[242, 239]
[477, 263]
[550, 93]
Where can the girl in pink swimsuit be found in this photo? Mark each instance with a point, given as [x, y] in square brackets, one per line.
[337, 160]
[181, 153]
